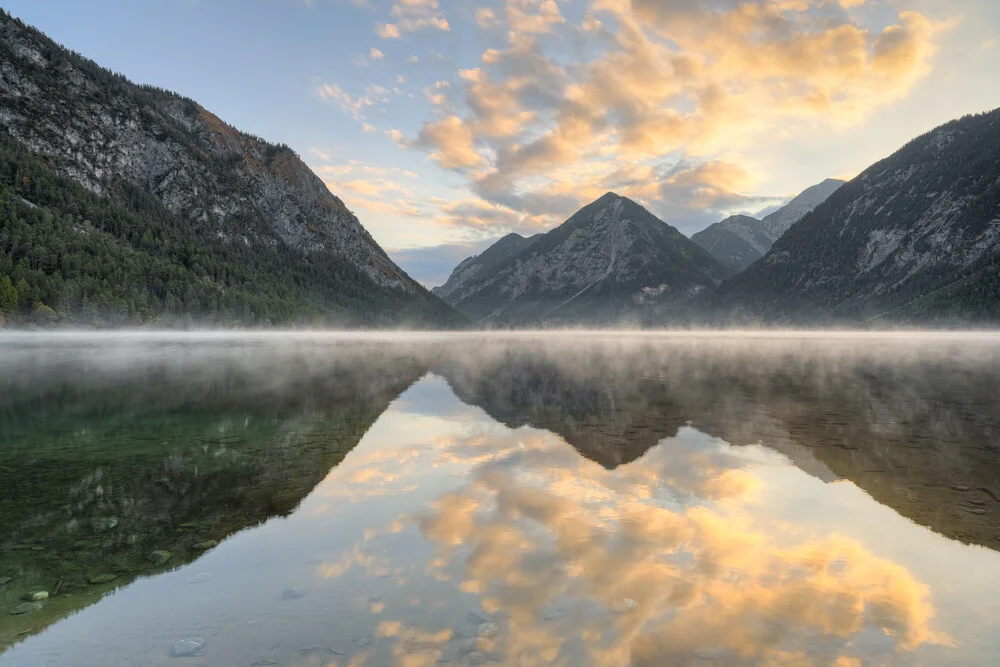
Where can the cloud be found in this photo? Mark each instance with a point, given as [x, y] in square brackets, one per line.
[411, 16]
[352, 105]
[660, 96]
[486, 18]
[388, 31]
[375, 54]
[453, 142]
[532, 16]
[373, 188]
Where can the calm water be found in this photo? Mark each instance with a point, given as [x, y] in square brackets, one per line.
[546, 500]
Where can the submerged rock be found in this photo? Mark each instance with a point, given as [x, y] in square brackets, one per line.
[101, 578]
[26, 608]
[293, 593]
[488, 630]
[36, 596]
[186, 647]
[625, 605]
[320, 651]
[206, 545]
[106, 523]
[5, 580]
[158, 557]
[478, 616]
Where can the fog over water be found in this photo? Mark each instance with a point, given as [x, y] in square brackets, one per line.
[557, 498]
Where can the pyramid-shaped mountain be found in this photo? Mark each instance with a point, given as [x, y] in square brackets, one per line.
[610, 262]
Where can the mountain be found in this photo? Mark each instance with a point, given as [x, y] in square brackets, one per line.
[187, 215]
[777, 223]
[611, 261]
[740, 240]
[914, 237]
[469, 268]
[736, 242]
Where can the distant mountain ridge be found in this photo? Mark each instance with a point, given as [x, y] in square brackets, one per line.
[154, 154]
[612, 259]
[779, 222]
[740, 240]
[469, 268]
[736, 242]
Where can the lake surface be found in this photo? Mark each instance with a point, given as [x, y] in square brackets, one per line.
[571, 499]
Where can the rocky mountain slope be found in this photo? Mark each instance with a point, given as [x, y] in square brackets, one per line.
[469, 268]
[777, 223]
[612, 261]
[740, 240]
[736, 242]
[153, 153]
[903, 239]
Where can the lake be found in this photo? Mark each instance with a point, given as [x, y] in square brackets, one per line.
[584, 498]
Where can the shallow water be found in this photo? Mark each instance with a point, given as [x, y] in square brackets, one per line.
[577, 499]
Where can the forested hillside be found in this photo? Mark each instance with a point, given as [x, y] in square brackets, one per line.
[125, 204]
[71, 256]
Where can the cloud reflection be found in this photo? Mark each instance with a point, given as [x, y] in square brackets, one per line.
[655, 563]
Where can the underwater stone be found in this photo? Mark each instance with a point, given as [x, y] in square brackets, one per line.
[158, 557]
[27, 608]
[186, 647]
[101, 578]
[36, 596]
[206, 545]
[489, 630]
[478, 616]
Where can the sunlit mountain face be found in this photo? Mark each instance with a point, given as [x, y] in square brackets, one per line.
[573, 499]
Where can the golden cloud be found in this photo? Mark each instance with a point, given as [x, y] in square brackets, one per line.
[453, 142]
[697, 79]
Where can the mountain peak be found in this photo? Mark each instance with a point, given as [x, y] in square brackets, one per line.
[608, 197]
[611, 259]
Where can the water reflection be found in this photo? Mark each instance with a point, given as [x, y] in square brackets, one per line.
[118, 466]
[916, 422]
[656, 563]
[646, 501]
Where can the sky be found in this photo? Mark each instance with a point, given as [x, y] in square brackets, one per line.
[445, 124]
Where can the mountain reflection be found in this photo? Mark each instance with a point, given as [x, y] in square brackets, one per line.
[916, 425]
[535, 500]
[110, 457]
